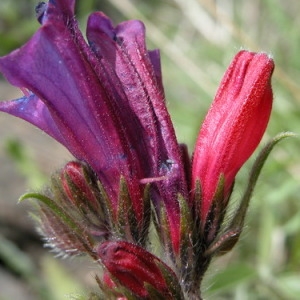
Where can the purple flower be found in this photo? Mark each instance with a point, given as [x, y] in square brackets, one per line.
[104, 101]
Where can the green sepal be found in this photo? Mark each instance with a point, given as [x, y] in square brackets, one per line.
[56, 189]
[186, 233]
[154, 293]
[197, 203]
[186, 220]
[127, 225]
[216, 213]
[115, 292]
[171, 280]
[230, 236]
[109, 212]
[163, 229]
[196, 217]
[68, 224]
[147, 213]
[238, 219]
[223, 243]
[57, 210]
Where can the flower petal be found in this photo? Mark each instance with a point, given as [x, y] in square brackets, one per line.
[123, 55]
[31, 109]
[54, 65]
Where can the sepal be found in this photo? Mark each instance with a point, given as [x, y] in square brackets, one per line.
[223, 243]
[211, 224]
[112, 289]
[62, 232]
[229, 236]
[238, 219]
[185, 257]
[162, 226]
[128, 225]
[171, 280]
[143, 237]
[126, 221]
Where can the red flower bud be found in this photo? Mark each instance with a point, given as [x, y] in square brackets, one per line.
[77, 184]
[135, 268]
[76, 189]
[234, 124]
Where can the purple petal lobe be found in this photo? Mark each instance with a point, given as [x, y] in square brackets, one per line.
[124, 57]
[52, 67]
[122, 52]
[34, 111]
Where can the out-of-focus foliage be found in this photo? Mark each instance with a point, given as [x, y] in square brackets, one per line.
[16, 24]
[197, 39]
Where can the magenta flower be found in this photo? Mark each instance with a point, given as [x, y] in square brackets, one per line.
[234, 124]
[103, 101]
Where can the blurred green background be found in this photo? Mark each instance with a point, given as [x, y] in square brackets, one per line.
[198, 39]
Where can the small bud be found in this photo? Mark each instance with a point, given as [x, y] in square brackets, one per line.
[137, 270]
[78, 184]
